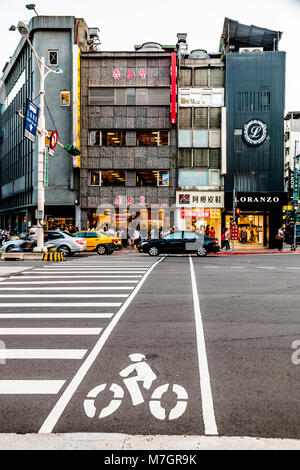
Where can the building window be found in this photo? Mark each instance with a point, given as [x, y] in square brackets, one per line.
[185, 158]
[217, 77]
[107, 178]
[215, 117]
[53, 57]
[185, 117]
[201, 77]
[214, 158]
[200, 158]
[152, 178]
[200, 117]
[151, 138]
[152, 96]
[185, 77]
[114, 138]
[193, 178]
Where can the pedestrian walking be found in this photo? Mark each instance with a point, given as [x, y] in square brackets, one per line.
[227, 239]
[279, 237]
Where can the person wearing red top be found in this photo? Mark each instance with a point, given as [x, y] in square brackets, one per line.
[212, 233]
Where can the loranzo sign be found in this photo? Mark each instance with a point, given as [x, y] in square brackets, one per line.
[255, 132]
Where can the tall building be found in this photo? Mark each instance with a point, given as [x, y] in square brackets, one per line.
[128, 137]
[201, 138]
[59, 40]
[255, 93]
[291, 146]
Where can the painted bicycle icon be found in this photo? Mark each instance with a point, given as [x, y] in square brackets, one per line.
[144, 376]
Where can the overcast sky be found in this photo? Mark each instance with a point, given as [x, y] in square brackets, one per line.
[125, 23]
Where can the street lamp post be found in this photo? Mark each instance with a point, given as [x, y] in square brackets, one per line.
[24, 31]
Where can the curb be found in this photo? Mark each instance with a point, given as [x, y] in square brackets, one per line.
[127, 442]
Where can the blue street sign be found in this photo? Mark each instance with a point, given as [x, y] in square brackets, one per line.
[31, 120]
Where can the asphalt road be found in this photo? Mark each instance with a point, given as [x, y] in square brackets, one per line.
[192, 346]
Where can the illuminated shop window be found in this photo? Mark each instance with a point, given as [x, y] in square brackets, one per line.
[152, 178]
[107, 178]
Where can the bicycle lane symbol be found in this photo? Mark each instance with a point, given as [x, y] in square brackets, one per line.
[145, 376]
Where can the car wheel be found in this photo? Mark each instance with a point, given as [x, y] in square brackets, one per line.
[64, 250]
[153, 251]
[202, 251]
[101, 250]
[9, 248]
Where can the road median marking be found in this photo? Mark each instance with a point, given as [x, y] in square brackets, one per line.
[205, 387]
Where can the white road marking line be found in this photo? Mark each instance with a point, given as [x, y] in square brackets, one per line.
[91, 271]
[61, 304]
[205, 387]
[32, 387]
[265, 267]
[68, 393]
[29, 283]
[77, 288]
[56, 315]
[42, 353]
[61, 296]
[291, 267]
[75, 277]
[50, 331]
[107, 266]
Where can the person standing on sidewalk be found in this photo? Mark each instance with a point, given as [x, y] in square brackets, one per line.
[227, 238]
[279, 237]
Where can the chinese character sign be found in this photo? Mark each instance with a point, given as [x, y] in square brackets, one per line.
[129, 74]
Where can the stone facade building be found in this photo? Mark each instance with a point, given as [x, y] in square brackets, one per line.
[128, 143]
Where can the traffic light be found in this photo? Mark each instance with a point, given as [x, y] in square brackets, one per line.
[72, 150]
[237, 211]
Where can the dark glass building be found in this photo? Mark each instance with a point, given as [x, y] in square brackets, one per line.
[255, 91]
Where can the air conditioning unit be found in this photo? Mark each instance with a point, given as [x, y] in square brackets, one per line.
[251, 49]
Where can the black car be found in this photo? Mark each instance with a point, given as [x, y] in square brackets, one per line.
[181, 242]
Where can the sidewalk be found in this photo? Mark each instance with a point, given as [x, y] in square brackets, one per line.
[127, 442]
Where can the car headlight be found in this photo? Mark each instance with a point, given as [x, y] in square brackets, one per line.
[144, 243]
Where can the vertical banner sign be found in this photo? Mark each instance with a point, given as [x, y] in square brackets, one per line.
[173, 88]
[296, 185]
[46, 170]
[291, 184]
[78, 109]
[31, 120]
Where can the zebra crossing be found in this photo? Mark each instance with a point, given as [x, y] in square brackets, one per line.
[52, 316]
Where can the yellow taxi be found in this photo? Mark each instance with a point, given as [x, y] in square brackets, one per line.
[98, 241]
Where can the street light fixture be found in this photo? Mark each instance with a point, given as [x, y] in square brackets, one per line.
[31, 6]
[24, 31]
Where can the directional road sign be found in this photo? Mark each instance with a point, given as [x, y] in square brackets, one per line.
[31, 120]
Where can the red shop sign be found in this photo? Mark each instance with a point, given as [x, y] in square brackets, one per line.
[198, 213]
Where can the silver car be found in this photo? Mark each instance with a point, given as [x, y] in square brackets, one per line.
[61, 241]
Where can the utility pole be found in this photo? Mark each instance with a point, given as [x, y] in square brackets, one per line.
[296, 192]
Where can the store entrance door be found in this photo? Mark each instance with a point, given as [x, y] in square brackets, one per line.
[251, 228]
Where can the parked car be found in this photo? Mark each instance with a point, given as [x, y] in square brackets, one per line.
[98, 241]
[61, 241]
[181, 242]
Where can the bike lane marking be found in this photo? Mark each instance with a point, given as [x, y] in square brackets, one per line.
[210, 425]
[56, 412]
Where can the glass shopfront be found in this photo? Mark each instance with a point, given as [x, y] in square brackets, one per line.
[252, 228]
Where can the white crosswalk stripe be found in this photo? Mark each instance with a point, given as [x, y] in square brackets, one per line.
[53, 302]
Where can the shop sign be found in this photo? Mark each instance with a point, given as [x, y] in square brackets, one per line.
[129, 74]
[129, 201]
[255, 132]
[257, 201]
[209, 199]
[197, 213]
[234, 232]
